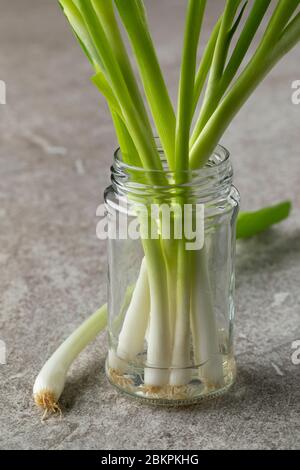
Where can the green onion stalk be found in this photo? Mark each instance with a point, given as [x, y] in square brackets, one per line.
[210, 94]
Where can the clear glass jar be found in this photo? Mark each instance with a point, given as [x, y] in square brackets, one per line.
[171, 289]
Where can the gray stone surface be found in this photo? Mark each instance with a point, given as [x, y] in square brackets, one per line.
[56, 147]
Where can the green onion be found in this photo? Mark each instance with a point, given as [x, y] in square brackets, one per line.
[187, 80]
[50, 382]
[151, 75]
[275, 42]
[253, 223]
[225, 79]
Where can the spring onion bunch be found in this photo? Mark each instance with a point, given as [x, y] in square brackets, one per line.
[210, 94]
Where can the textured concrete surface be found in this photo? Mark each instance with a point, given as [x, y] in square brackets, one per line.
[56, 147]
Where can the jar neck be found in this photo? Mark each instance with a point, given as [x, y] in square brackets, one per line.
[213, 181]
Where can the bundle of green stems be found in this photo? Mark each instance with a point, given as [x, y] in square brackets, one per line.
[211, 91]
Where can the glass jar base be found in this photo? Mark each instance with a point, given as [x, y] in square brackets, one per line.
[197, 389]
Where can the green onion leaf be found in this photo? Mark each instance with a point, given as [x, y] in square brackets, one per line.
[252, 223]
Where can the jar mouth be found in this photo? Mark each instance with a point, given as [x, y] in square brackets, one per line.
[218, 161]
[205, 183]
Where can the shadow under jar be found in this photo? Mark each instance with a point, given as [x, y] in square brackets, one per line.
[171, 254]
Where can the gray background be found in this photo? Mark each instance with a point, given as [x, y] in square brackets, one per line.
[56, 148]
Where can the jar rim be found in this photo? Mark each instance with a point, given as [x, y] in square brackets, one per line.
[222, 160]
[207, 182]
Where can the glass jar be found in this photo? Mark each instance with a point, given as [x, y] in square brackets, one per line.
[171, 254]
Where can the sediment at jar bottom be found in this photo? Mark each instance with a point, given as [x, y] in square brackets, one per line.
[131, 381]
